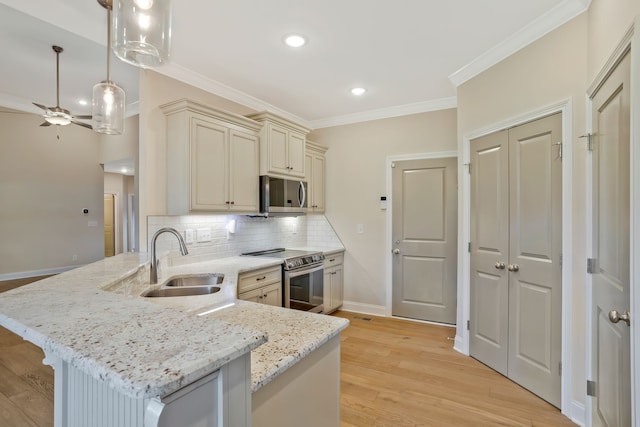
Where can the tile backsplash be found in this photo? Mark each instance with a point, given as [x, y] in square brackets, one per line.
[252, 234]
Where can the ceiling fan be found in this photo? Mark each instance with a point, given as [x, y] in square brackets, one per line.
[56, 115]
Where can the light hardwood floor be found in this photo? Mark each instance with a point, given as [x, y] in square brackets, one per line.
[395, 373]
[398, 373]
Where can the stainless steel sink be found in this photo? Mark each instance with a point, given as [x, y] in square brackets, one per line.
[196, 280]
[181, 291]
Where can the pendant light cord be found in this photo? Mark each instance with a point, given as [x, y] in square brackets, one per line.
[109, 44]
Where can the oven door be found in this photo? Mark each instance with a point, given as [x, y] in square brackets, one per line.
[304, 289]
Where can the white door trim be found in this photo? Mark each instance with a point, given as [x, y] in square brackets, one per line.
[630, 41]
[389, 240]
[464, 234]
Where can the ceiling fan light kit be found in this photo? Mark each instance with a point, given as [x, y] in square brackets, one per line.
[108, 102]
[142, 31]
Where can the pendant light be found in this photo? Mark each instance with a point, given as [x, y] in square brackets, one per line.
[108, 98]
[142, 31]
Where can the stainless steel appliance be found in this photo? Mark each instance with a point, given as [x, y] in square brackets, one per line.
[282, 196]
[302, 277]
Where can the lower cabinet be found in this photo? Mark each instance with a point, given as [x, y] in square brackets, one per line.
[263, 286]
[333, 282]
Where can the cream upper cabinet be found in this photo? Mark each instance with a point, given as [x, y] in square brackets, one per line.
[212, 160]
[282, 146]
[315, 176]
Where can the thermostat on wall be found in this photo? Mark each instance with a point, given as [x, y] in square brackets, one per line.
[383, 202]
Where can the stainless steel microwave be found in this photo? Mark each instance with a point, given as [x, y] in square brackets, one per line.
[282, 196]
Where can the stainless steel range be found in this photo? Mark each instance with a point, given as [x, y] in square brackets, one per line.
[302, 277]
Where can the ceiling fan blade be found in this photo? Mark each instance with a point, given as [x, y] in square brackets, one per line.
[85, 117]
[40, 106]
[82, 124]
[46, 124]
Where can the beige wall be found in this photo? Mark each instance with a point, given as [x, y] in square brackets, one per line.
[155, 90]
[119, 147]
[356, 178]
[44, 185]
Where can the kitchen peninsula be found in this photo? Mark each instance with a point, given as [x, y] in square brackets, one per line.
[124, 360]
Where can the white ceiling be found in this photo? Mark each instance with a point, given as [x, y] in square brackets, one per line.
[409, 54]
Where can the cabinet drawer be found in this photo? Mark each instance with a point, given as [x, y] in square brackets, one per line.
[257, 278]
[335, 259]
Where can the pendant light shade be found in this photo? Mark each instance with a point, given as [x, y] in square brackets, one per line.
[108, 108]
[108, 105]
[142, 31]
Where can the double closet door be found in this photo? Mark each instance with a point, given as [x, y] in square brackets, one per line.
[516, 242]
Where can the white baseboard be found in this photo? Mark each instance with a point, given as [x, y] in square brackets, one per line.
[358, 307]
[578, 413]
[36, 273]
[459, 346]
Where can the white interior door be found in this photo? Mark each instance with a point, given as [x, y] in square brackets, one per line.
[424, 232]
[516, 242]
[610, 265]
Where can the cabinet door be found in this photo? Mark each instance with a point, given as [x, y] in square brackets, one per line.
[326, 301]
[272, 294]
[209, 166]
[337, 288]
[296, 151]
[243, 173]
[253, 296]
[317, 177]
[277, 149]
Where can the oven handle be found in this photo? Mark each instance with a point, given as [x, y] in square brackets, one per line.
[302, 271]
[302, 194]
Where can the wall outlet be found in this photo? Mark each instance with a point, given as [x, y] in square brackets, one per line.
[74, 258]
[92, 223]
[188, 235]
[203, 235]
[360, 228]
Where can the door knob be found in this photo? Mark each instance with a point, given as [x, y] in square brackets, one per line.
[396, 251]
[513, 267]
[499, 265]
[615, 317]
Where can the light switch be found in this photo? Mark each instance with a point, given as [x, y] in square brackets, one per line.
[360, 228]
[188, 235]
[203, 235]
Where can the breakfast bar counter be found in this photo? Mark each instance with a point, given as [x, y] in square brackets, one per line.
[92, 321]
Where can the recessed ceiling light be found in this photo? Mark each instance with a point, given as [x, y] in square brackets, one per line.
[83, 102]
[295, 40]
[358, 91]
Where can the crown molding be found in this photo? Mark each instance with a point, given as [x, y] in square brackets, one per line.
[192, 78]
[546, 23]
[385, 113]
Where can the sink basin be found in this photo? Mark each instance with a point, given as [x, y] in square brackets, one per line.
[181, 291]
[196, 280]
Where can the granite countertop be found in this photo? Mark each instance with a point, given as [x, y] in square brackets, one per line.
[94, 318]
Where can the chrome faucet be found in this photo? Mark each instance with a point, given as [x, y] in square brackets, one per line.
[153, 279]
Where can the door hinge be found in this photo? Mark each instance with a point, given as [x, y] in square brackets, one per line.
[591, 388]
[589, 137]
[591, 265]
[469, 247]
[468, 324]
[468, 165]
[560, 368]
[560, 260]
[559, 145]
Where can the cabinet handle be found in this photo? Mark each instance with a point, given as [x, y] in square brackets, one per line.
[332, 259]
[233, 203]
[227, 202]
[265, 295]
[260, 297]
[261, 278]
